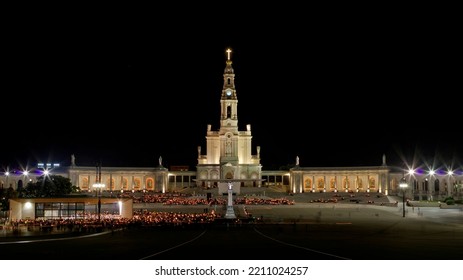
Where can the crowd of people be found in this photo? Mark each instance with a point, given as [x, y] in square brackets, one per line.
[175, 198]
[91, 222]
[110, 221]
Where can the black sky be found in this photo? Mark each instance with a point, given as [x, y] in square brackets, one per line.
[335, 91]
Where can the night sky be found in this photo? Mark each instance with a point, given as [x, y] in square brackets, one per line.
[333, 92]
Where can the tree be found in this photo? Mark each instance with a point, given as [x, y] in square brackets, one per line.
[48, 186]
[5, 195]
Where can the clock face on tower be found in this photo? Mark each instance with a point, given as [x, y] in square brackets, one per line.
[229, 92]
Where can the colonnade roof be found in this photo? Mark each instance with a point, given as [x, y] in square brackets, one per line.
[341, 169]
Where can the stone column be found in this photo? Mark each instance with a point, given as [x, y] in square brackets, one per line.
[230, 214]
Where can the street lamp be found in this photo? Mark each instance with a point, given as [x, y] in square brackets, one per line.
[7, 176]
[3, 194]
[449, 183]
[98, 185]
[403, 184]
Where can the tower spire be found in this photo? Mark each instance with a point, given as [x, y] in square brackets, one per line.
[228, 100]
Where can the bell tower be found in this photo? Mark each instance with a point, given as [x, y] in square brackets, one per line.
[228, 132]
[229, 150]
[228, 100]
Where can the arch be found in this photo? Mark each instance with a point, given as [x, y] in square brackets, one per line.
[320, 184]
[137, 184]
[125, 184]
[436, 185]
[359, 183]
[20, 184]
[150, 184]
[307, 185]
[371, 183]
[394, 184]
[85, 183]
[214, 174]
[333, 183]
[415, 185]
[346, 183]
[203, 175]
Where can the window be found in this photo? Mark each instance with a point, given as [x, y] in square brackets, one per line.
[59, 210]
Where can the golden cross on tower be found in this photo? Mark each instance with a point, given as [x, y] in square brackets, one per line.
[228, 53]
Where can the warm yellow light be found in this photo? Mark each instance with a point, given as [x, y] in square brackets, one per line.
[403, 183]
[98, 185]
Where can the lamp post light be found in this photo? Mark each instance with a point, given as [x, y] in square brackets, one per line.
[3, 198]
[449, 183]
[98, 185]
[403, 185]
[7, 176]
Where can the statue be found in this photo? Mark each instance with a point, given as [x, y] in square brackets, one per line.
[297, 160]
[384, 160]
[160, 161]
[228, 148]
[73, 160]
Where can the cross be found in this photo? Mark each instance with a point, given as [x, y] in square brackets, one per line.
[228, 53]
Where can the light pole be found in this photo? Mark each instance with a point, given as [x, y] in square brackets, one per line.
[3, 198]
[98, 185]
[403, 184]
[449, 183]
[7, 175]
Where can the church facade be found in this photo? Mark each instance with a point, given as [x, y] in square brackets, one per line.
[228, 156]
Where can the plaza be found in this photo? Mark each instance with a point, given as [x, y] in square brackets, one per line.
[303, 230]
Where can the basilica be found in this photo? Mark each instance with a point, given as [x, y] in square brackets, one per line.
[228, 158]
